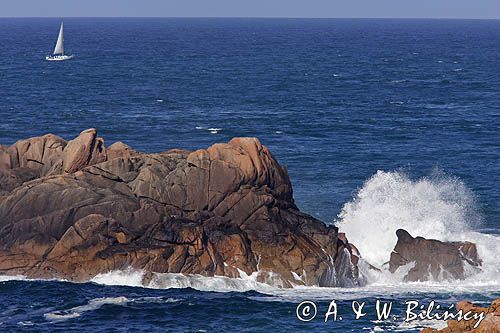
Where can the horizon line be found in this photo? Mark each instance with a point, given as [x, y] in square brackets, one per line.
[264, 17]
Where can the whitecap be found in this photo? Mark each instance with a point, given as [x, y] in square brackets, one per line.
[214, 130]
[420, 324]
[213, 283]
[155, 299]
[25, 323]
[92, 305]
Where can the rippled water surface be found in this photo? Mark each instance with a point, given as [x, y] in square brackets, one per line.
[334, 100]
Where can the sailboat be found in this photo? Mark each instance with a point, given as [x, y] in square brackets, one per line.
[58, 54]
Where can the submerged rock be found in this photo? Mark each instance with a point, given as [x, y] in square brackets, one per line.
[433, 259]
[76, 209]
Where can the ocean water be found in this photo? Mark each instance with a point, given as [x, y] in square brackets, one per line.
[381, 123]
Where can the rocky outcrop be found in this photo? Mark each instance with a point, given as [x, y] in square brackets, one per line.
[76, 209]
[490, 323]
[433, 259]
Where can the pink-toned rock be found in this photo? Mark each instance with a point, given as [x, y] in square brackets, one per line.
[218, 211]
[86, 149]
[433, 259]
[490, 324]
[120, 150]
[41, 154]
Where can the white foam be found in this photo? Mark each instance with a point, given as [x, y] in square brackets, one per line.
[214, 130]
[25, 323]
[4, 278]
[155, 299]
[92, 305]
[203, 283]
[437, 207]
[135, 278]
[416, 324]
[383, 283]
[128, 277]
[432, 208]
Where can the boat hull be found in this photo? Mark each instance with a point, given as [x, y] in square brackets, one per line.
[59, 57]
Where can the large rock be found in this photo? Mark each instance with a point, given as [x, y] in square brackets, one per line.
[433, 259]
[76, 209]
[490, 323]
[51, 155]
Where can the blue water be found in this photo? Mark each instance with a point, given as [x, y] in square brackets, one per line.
[334, 100]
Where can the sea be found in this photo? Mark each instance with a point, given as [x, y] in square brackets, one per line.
[381, 123]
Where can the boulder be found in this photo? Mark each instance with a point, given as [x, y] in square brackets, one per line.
[51, 155]
[82, 209]
[490, 323]
[86, 149]
[433, 259]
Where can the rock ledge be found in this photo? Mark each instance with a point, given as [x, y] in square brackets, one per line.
[75, 209]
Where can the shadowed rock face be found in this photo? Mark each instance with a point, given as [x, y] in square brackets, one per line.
[76, 209]
[433, 259]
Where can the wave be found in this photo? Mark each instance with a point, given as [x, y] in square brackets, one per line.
[212, 130]
[135, 278]
[77, 311]
[377, 288]
[438, 207]
[96, 303]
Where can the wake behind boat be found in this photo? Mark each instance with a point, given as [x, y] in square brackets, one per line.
[58, 54]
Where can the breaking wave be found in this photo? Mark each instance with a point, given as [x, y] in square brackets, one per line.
[136, 278]
[438, 207]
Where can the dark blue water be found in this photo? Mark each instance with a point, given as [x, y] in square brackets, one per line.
[334, 100]
[126, 309]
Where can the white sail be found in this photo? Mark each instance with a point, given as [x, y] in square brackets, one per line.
[60, 41]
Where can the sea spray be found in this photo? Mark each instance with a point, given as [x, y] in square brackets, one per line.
[438, 207]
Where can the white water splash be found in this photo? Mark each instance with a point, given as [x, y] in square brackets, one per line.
[438, 207]
[128, 277]
[135, 278]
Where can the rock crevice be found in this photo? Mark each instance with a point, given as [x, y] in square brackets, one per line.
[77, 209]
